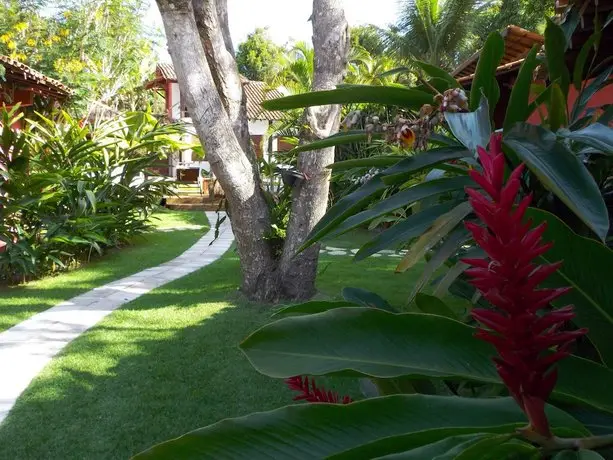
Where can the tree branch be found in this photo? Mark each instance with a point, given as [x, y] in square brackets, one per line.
[222, 14]
[213, 29]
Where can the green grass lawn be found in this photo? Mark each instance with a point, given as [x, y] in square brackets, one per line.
[165, 364]
[20, 302]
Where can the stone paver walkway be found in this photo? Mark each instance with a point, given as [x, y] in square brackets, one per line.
[28, 347]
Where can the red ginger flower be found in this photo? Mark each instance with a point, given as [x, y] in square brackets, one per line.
[524, 331]
[309, 391]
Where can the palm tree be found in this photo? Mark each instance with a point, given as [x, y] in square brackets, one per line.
[296, 69]
[368, 69]
[524, 13]
[436, 31]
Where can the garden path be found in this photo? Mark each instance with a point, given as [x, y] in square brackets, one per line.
[28, 347]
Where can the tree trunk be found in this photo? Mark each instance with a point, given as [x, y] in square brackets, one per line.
[310, 198]
[201, 49]
[229, 162]
[223, 66]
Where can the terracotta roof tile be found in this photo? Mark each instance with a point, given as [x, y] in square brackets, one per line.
[24, 74]
[167, 72]
[518, 43]
[258, 92]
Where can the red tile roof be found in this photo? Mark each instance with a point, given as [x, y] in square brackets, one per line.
[517, 44]
[258, 92]
[255, 91]
[166, 71]
[25, 76]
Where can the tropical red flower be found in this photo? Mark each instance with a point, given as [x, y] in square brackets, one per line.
[526, 332]
[309, 392]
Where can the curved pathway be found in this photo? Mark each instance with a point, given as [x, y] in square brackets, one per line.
[25, 349]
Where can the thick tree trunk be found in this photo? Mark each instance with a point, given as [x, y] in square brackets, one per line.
[310, 199]
[201, 49]
[229, 162]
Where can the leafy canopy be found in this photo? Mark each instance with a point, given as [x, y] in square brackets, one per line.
[258, 56]
[100, 48]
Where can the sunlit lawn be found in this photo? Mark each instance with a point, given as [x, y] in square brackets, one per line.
[20, 302]
[164, 364]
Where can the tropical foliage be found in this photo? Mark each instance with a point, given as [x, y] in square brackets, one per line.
[257, 56]
[494, 228]
[296, 67]
[435, 31]
[68, 191]
[445, 32]
[100, 48]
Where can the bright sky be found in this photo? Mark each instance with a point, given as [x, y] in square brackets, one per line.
[288, 19]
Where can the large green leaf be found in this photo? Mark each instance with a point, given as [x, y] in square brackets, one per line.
[445, 449]
[441, 139]
[440, 228]
[557, 108]
[345, 207]
[496, 447]
[383, 161]
[314, 306]
[376, 343]
[555, 47]
[579, 68]
[560, 171]
[336, 139]
[540, 99]
[571, 21]
[436, 72]
[595, 135]
[384, 95]
[484, 82]
[405, 442]
[450, 278]
[403, 231]
[365, 298]
[472, 129]
[358, 199]
[308, 431]
[588, 93]
[433, 306]
[599, 423]
[518, 108]
[578, 455]
[404, 198]
[405, 169]
[586, 269]
[401, 443]
[451, 245]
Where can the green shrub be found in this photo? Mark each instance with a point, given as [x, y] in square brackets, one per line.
[68, 190]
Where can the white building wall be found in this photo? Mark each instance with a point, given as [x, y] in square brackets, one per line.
[260, 128]
[175, 94]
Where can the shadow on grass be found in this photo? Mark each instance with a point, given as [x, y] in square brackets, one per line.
[20, 302]
[165, 364]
